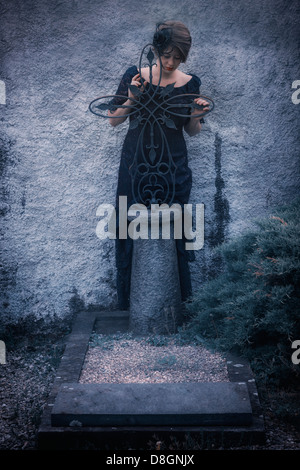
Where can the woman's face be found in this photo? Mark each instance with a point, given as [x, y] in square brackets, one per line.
[170, 59]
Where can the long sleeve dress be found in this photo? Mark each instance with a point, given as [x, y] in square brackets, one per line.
[169, 141]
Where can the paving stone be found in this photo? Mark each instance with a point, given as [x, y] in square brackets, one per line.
[203, 403]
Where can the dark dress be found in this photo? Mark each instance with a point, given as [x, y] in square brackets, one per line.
[183, 181]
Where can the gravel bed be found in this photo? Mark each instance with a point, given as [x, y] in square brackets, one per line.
[126, 360]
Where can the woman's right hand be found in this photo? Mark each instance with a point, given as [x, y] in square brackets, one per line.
[120, 114]
[136, 81]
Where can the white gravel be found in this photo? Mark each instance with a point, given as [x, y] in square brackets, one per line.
[126, 360]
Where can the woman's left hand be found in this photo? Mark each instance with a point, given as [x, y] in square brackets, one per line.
[193, 126]
[200, 102]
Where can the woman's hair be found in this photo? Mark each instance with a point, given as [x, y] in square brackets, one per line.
[172, 34]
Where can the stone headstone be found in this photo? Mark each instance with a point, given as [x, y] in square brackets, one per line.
[155, 297]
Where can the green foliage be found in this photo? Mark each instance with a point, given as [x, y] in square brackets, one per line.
[108, 341]
[252, 308]
[162, 362]
[157, 340]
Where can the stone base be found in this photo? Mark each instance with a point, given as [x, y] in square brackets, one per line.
[155, 297]
[165, 404]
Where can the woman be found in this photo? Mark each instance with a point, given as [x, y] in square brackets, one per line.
[171, 45]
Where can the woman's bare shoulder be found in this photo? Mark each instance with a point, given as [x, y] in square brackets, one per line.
[183, 78]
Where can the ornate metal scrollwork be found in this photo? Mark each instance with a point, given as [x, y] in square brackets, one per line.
[153, 168]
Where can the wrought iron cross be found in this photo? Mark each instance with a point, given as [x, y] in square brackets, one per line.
[153, 168]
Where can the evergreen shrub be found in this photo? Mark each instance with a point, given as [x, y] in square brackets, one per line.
[252, 308]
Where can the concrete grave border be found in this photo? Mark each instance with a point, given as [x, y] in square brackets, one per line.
[136, 437]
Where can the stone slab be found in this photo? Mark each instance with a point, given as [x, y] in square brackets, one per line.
[173, 404]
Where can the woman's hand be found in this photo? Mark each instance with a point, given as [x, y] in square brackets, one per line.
[120, 114]
[136, 81]
[193, 127]
[200, 102]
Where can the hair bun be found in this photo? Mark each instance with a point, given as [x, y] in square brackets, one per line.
[161, 39]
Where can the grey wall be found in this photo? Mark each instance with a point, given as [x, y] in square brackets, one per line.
[59, 162]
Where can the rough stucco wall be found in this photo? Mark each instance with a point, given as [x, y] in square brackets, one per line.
[59, 162]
